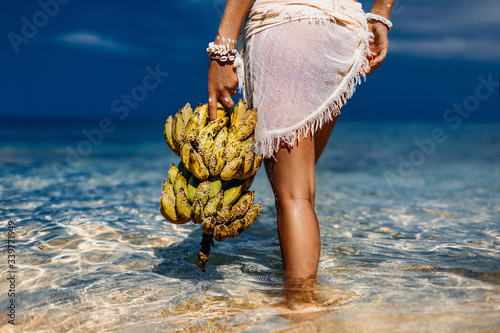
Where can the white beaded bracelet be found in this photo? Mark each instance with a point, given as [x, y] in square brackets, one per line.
[379, 18]
[221, 52]
[221, 58]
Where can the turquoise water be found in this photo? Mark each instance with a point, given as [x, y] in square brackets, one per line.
[410, 235]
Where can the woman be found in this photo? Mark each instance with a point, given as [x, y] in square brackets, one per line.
[303, 61]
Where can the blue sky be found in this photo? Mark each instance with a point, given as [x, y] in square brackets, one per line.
[81, 59]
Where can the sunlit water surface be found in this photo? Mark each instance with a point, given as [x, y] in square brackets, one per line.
[405, 247]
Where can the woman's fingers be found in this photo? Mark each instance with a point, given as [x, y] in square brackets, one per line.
[222, 83]
[378, 46]
[379, 58]
[227, 102]
[212, 107]
[376, 60]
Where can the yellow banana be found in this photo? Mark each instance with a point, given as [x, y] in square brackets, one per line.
[220, 232]
[169, 129]
[180, 183]
[205, 148]
[225, 215]
[247, 125]
[236, 228]
[221, 110]
[214, 204]
[202, 192]
[238, 114]
[203, 118]
[217, 160]
[221, 113]
[247, 145]
[231, 168]
[252, 214]
[167, 209]
[239, 173]
[197, 166]
[192, 129]
[186, 113]
[242, 205]
[231, 195]
[256, 165]
[248, 164]
[172, 173]
[198, 108]
[233, 150]
[182, 205]
[184, 154]
[197, 212]
[178, 129]
[211, 129]
[232, 134]
[169, 188]
[208, 225]
[215, 187]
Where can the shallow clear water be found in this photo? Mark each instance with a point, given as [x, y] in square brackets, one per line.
[405, 247]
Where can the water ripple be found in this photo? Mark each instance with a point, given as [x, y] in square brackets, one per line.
[94, 254]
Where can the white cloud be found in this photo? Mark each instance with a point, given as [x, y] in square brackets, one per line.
[456, 19]
[447, 29]
[448, 48]
[91, 40]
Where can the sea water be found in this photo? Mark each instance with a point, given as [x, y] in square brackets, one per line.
[409, 216]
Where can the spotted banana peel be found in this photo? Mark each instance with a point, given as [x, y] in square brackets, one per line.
[210, 185]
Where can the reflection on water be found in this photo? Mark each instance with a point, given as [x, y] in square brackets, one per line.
[94, 254]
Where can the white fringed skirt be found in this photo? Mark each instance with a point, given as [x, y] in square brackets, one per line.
[303, 61]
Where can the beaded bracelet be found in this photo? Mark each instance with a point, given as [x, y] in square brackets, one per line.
[213, 56]
[379, 18]
[221, 52]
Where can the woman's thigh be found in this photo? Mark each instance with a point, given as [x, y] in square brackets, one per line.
[292, 170]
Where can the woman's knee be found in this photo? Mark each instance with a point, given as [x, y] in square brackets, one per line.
[294, 199]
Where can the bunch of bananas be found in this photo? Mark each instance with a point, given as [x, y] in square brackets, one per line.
[209, 186]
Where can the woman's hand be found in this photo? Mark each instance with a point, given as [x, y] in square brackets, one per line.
[222, 84]
[378, 46]
[222, 77]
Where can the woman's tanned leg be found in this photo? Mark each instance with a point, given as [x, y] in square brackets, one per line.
[321, 137]
[292, 178]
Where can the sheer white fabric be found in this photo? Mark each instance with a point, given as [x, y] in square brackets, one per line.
[303, 62]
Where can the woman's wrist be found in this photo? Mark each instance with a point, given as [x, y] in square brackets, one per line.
[224, 40]
[380, 19]
[383, 8]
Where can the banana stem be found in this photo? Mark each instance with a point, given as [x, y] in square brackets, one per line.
[205, 243]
